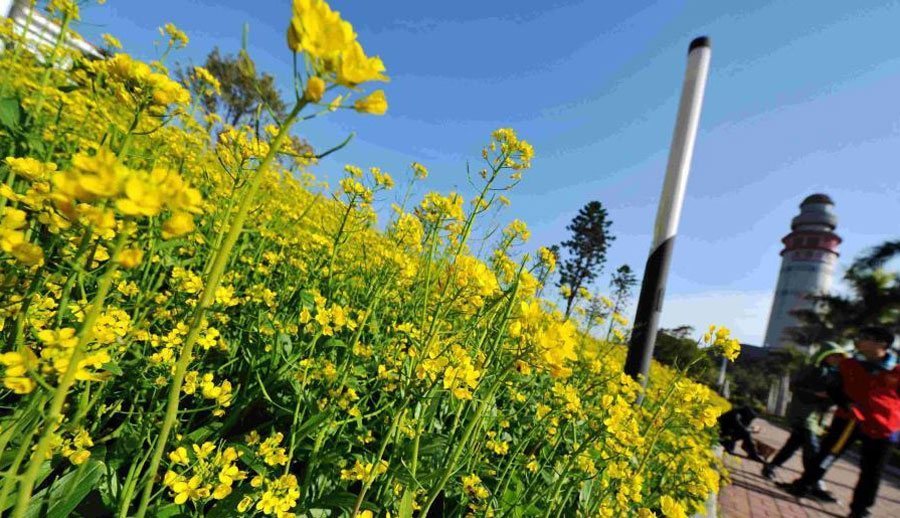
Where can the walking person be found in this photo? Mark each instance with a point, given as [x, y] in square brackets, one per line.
[734, 426]
[809, 406]
[869, 410]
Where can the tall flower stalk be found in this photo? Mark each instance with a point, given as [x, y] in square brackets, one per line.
[211, 284]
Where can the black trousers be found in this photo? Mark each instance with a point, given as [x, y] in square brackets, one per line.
[731, 435]
[801, 437]
[874, 453]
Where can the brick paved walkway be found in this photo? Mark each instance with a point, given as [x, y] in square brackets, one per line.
[751, 496]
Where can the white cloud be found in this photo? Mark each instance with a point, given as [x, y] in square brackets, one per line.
[745, 313]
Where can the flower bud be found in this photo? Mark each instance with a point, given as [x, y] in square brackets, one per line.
[375, 103]
[315, 89]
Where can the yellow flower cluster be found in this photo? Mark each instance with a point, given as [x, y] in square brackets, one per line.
[474, 281]
[365, 471]
[720, 338]
[136, 83]
[220, 394]
[17, 366]
[329, 43]
[191, 291]
[203, 472]
[473, 487]
[277, 499]
[460, 377]
[12, 238]
[75, 448]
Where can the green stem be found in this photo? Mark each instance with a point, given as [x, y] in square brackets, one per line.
[130, 484]
[460, 447]
[54, 416]
[206, 300]
[368, 483]
[76, 270]
[9, 478]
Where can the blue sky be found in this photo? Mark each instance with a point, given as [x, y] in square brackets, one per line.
[799, 100]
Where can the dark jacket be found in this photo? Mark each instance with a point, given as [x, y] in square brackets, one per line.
[807, 408]
[736, 419]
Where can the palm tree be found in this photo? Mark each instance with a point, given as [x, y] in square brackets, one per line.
[878, 256]
[874, 300]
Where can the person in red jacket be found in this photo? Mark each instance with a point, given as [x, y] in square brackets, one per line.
[868, 410]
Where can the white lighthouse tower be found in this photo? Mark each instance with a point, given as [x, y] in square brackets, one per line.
[807, 267]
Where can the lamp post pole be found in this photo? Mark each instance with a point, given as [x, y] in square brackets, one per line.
[646, 320]
[722, 369]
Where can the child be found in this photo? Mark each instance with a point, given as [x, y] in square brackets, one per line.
[869, 409]
[809, 404]
[734, 426]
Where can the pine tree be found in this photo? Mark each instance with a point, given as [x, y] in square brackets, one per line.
[622, 282]
[244, 92]
[586, 250]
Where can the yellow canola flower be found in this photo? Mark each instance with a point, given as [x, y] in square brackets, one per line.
[315, 89]
[92, 178]
[130, 257]
[671, 508]
[65, 8]
[30, 169]
[12, 238]
[472, 486]
[317, 30]
[375, 103]
[141, 198]
[79, 457]
[64, 337]
[28, 254]
[17, 366]
[180, 456]
[189, 489]
[177, 38]
[419, 170]
[202, 75]
[357, 68]
[111, 41]
[178, 224]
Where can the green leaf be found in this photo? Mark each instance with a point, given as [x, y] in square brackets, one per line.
[37, 145]
[170, 511]
[432, 444]
[110, 487]
[285, 342]
[251, 459]
[307, 300]
[406, 504]
[61, 498]
[310, 424]
[342, 500]
[114, 368]
[201, 434]
[335, 342]
[10, 112]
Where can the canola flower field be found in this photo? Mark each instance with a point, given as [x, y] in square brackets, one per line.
[193, 326]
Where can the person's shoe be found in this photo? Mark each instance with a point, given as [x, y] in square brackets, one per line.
[859, 514]
[768, 472]
[794, 488]
[822, 494]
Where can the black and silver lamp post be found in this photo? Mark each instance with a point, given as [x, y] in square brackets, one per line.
[646, 320]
